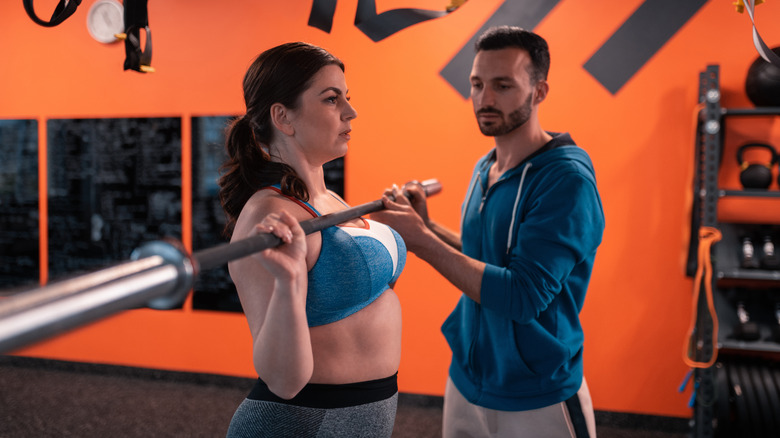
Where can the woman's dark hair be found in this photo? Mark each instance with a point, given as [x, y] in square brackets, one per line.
[278, 75]
[502, 37]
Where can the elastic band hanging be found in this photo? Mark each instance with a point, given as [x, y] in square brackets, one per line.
[707, 237]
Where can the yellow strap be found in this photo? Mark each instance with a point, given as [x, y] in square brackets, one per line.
[740, 5]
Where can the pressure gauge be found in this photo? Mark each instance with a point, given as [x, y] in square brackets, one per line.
[105, 19]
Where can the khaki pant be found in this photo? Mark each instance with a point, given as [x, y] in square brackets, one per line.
[465, 420]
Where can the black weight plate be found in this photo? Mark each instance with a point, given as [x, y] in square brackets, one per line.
[775, 372]
[773, 395]
[754, 411]
[767, 421]
[742, 424]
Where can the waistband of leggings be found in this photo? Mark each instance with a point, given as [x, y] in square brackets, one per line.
[328, 396]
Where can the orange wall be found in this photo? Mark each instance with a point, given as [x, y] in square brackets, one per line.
[412, 125]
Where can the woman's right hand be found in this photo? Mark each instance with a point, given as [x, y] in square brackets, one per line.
[288, 259]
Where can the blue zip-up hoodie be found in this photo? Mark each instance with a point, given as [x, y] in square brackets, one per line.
[537, 229]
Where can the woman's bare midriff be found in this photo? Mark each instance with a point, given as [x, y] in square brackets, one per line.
[363, 346]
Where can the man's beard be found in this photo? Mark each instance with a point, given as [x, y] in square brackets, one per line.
[516, 118]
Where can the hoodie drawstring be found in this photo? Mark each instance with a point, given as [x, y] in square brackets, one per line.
[514, 209]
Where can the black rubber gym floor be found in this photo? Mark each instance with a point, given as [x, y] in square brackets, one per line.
[46, 398]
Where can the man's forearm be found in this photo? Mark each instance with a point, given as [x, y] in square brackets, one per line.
[462, 271]
[446, 235]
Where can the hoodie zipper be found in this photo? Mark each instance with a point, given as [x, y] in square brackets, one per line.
[514, 207]
[472, 364]
[477, 309]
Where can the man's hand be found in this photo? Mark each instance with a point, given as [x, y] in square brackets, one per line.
[419, 200]
[401, 215]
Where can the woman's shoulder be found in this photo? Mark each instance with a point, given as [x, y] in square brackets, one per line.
[261, 204]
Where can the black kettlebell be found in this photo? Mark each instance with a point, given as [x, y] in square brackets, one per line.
[756, 175]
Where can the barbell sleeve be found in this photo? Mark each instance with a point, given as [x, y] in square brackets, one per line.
[160, 275]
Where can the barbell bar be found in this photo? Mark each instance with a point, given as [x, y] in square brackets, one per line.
[159, 275]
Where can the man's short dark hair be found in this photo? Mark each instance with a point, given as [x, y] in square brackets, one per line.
[502, 37]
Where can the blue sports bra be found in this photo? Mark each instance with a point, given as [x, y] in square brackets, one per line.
[356, 265]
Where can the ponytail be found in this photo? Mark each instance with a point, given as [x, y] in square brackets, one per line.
[249, 168]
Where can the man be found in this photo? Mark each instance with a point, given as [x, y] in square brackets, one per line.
[531, 223]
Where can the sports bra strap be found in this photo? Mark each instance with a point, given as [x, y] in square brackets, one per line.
[308, 207]
[305, 205]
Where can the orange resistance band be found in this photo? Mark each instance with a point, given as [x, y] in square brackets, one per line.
[707, 237]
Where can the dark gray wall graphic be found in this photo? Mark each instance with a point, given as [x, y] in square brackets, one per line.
[651, 26]
[524, 13]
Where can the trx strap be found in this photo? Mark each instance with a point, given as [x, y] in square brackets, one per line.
[137, 18]
[64, 9]
[376, 26]
[763, 50]
[707, 237]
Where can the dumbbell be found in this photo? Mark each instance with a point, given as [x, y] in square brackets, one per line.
[776, 327]
[749, 260]
[746, 330]
[756, 175]
[769, 257]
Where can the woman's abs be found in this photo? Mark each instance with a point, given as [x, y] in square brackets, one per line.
[363, 346]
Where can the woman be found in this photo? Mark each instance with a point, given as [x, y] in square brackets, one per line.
[325, 324]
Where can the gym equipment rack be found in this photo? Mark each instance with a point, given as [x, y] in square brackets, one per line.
[739, 395]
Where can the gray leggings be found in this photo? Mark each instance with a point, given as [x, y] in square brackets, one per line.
[256, 418]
